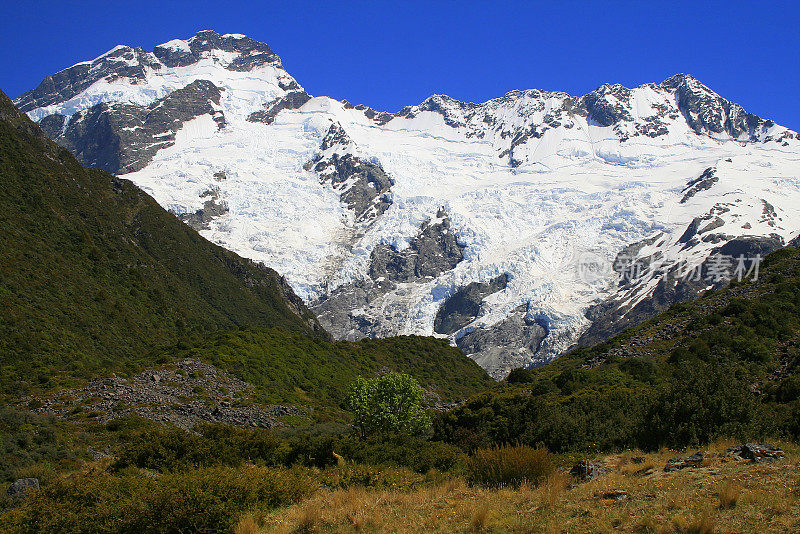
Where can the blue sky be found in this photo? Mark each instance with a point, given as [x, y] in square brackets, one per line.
[391, 54]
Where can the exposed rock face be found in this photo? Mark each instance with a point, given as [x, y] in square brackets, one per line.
[703, 182]
[608, 111]
[756, 452]
[380, 117]
[132, 63]
[511, 343]
[161, 395]
[707, 112]
[212, 208]
[249, 52]
[433, 251]
[454, 112]
[292, 100]
[586, 470]
[751, 246]
[676, 464]
[21, 487]
[121, 62]
[121, 138]
[360, 309]
[614, 315]
[463, 307]
[363, 185]
[340, 312]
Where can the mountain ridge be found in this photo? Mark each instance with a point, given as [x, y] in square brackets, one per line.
[179, 52]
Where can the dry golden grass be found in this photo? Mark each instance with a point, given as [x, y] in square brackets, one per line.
[701, 524]
[729, 495]
[725, 496]
[552, 489]
[480, 518]
[309, 521]
[247, 525]
[644, 468]
[509, 465]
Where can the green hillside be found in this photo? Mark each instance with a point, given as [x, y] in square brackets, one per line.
[293, 368]
[725, 365]
[95, 277]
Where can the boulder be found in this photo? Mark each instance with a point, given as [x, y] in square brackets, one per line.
[586, 470]
[676, 464]
[756, 452]
[615, 495]
[21, 487]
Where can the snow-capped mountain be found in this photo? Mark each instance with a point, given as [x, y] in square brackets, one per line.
[493, 224]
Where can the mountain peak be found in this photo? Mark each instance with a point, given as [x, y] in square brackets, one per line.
[233, 52]
[687, 82]
[248, 52]
[681, 77]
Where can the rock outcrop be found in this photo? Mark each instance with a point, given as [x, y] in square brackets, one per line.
[511, 343]
[433, 251]
[465, 304]
[123, 137]
[184, 394]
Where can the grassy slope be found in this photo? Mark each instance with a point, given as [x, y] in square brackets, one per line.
[725, 364]
[722, 495]
[292, 368]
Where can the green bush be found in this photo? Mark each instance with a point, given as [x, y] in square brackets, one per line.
[165, 449]
[28, 440]
[789, 389]
[417, 454]
[198, 500]
[509, 465]
[389, 403]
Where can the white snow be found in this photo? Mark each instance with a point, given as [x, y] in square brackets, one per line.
[176, 44]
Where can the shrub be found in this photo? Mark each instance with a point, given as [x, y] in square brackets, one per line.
[165, 449]
[198, 500]
[414, 453]
[390, 403]
[509, 465]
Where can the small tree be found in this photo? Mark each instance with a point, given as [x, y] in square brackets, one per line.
[390, 403]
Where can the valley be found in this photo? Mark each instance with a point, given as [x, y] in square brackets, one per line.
[231, 306]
